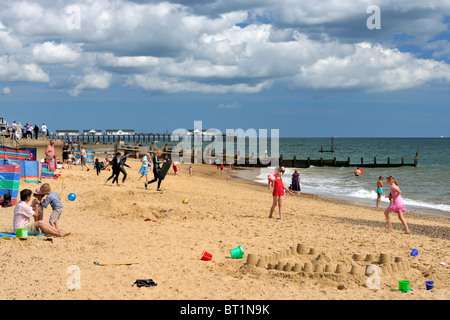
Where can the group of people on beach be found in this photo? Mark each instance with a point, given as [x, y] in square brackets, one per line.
[118, 164]
[18, 131]
[396, 203]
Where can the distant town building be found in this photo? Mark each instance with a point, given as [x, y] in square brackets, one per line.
[67, 133]
[119, 132]
[92, 132]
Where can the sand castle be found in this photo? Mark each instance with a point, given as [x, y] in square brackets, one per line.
[282, 260]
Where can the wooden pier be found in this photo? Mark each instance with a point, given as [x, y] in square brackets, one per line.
[129, 138]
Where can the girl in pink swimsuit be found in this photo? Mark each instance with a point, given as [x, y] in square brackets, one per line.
[279, 188]
[396, 205]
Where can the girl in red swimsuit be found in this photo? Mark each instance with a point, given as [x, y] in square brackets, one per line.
[279, 190]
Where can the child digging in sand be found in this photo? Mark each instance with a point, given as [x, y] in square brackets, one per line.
[396, 205]
[279, 188]
[54, 200]
[23, 213]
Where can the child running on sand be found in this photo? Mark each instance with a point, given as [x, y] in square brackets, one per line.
[396, 205]
[379, 191]
[98, 166]
[143, 171]
[54, 200]
[279, 188]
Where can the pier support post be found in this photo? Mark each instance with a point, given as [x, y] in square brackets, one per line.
[295, 161]
[389, 161]
[348, 162]
[375, 161]
[362, 162]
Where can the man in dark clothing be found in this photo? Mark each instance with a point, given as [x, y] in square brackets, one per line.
[156, 170]
[122, 163]
[114, 164]
[36, 131]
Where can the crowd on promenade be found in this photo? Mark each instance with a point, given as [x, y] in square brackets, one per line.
[18, 131]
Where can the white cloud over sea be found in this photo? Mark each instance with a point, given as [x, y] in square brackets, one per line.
[224, 46]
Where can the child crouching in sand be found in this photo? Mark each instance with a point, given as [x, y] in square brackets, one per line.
[54, 200]
[279, 189]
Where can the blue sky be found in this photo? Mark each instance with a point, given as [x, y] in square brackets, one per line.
[307, 68]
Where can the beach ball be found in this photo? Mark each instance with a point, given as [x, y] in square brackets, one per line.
[72, 196]
[185, 201]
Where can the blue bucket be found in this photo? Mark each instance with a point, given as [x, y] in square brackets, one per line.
[414, 252]
[429, 285]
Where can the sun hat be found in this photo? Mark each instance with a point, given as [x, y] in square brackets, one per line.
[38, 192]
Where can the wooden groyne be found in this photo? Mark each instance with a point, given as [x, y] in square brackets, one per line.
[246, 161]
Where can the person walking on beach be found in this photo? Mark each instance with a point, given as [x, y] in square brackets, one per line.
[36, 131]
[143, 171]
[50, 155]
[279, 189]
[396, 206]
[156, 170]
[19, 131]
[98, 166]
[114, 163]
[65, 153]
[44, 131]
[83, 158]
[122, 164]
[379, 191]
[28, 131]
[295, 184]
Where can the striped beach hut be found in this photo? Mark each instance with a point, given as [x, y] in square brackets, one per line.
[9, 181]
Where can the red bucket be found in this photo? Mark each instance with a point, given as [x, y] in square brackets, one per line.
[206, 256]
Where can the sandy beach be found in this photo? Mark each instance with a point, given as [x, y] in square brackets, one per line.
[167, 238]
